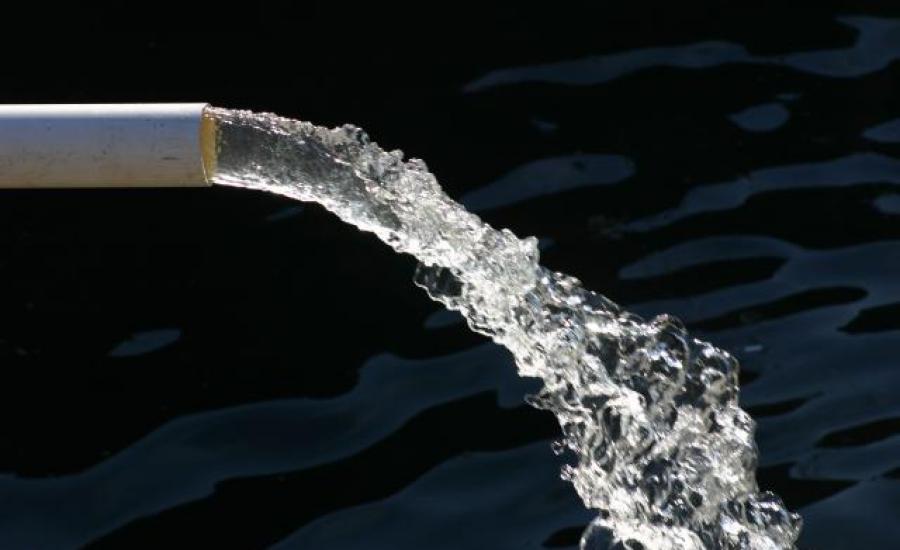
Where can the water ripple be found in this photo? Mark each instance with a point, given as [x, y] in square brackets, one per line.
[524, 493]
[841, 172]
[549, 177]
[876, 46]
[183, 460]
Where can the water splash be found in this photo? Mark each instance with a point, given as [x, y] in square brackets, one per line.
[649, 415]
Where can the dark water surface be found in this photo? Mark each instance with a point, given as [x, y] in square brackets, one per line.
[224, 369]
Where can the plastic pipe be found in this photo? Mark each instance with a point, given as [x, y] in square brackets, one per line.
[106, 145]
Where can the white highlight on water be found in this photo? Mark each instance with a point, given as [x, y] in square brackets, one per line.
[649, 415]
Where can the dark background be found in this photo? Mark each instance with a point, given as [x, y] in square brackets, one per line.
[264, 302]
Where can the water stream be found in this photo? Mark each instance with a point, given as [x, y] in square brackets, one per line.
[654, 437]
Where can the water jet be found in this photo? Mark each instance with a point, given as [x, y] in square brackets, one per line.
[649, 415]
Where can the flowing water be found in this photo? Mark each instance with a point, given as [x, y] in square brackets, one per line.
[237, 369]
[660, 447]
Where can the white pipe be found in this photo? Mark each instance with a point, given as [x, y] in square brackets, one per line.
[111, 145]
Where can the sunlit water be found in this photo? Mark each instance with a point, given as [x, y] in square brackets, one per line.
[746, 182]
[659, 447]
